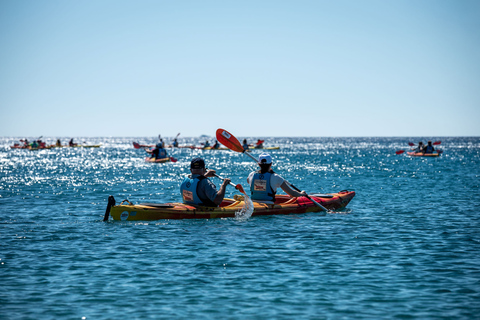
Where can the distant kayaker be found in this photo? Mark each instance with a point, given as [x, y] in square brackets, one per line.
[420, 147]
[71, 144]
[216, 145]
[162, 145]
[59, 143]
[197, 189]
[429, 148]
[259, 144]
[175, 143]
[158, 152]
[206, 144]
[245, 144]
[264, 183]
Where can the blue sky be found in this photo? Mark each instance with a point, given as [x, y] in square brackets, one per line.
[256, 68]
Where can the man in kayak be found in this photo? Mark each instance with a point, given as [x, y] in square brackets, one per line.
[216, 145]
[159, 152]
[259, 144]
[420, 147]
[245, 145]
[175, 143]
[197, 189]
[429, 148]
[264, 183]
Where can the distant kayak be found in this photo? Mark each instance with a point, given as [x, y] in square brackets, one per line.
[265, 148]
[421, 154]
[161, 160]
[284, 204]
[76, 146]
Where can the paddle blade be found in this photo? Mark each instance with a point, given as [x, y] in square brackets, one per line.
[240, 188]
[436, 143]
[136, 145]
[172, 159]
[411, 144]
[228, 140]
[400, 151]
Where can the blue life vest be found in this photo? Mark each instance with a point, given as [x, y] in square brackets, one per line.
[189, 192]
[159, 153]
[261, 188]
[429, 149]
[175, 143]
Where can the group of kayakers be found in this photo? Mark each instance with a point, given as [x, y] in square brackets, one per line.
[197, 189]
[159, 150]
[39, 144]
[422, 148]
[257, 145]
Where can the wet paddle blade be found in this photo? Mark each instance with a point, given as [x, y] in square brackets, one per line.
[400, 151]
[240, 188]
[228, 140]
[172, 159]
[136, 145]
[411, 144]
[436, 143]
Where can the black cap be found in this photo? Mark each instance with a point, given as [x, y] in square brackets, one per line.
[197, 163]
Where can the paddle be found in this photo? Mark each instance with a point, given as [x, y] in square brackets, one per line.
[237, 186]
[400, 151]
[232, 143]
[436, 143]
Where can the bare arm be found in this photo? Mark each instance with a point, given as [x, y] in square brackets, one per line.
[221, 193]
[291, 192]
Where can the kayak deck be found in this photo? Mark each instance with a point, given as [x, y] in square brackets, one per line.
[283, 205]
[421, 154]
[161, 160]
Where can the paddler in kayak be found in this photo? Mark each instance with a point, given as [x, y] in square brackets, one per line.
[158, 152]
[175, 143]
[420, 147]
[216, 145]
[206, 144]
[264, 183]
[259, 144]
[429, 148]
[58, 143]
[197, 189]
[71, 143]
[245, 145]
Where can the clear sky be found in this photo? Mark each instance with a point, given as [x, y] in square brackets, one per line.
[255, 68]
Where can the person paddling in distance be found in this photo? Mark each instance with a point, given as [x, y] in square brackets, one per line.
[175, 143]
[245, 145]
[197, 189]
[420, 147]
[158, 152]
[429, 148]
[216, 145]
[264, 183]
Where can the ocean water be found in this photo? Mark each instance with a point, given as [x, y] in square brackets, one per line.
[406, 247]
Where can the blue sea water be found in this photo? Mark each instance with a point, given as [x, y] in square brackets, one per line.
[406, 247]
